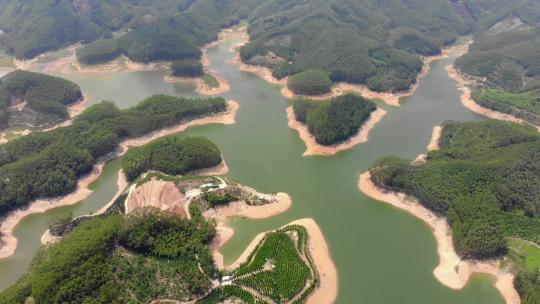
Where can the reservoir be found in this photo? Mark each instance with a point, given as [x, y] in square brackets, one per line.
[382, 254]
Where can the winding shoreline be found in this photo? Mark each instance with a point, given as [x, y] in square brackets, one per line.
[12, 219]
[313, 148]
[240, 209]
[339, 88]
[452, 271]
[327, 290]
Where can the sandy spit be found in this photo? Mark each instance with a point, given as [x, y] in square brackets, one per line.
[318, 248]
[234, 209]
[313, 148]
[452, 271]
[9, 223]
[200, 86]
[432, 146]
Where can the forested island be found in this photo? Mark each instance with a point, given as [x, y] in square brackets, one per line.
[30, 100]
[485, 180]
[48, 164]
[334, 120]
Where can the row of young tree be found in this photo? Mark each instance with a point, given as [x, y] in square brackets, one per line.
[48, 164]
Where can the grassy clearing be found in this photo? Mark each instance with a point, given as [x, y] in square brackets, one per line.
[526, 101]
[210, 80]
[524, 254]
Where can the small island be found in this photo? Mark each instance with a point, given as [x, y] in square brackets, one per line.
[478, 190]
[328, 127]
[31, 100]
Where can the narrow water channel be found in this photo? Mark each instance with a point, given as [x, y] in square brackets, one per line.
[383, 255]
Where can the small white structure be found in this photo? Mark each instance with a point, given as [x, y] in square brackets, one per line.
[226, 281]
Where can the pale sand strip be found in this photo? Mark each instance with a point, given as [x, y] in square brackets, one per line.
[469, 103]
[328, 287]
[121, 183]
[339, 88]
[39, 206]
[432, 146]
[220, 214]
[314, 148]
[452, 271]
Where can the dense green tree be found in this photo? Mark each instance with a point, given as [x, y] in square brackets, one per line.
[311, 82]
[187, 68]
[335, 120]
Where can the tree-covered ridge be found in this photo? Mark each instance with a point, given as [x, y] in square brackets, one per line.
[171, 155]
[178, 37]
[335, 120]
[505, 63]
[310, 82]
[48, 164]
[133, 258]
[485, 179]
[47, 95]
[37, 26]
[377, 43]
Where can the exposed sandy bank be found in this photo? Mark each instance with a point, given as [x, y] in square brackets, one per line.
[39, 206]
[328, 287]
[452, 271]
[200, 86]
[469, 103]
[121, 183]
[163, 195]
[339, 88]
[314, 148]
[220, 169]
[220, 118]
[281, 203]
[432, 146]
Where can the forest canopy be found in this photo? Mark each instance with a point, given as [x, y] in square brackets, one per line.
[310, 82]
[47, 95]
[48, 164]
[171, 155]
[122, 259]
[335, 120]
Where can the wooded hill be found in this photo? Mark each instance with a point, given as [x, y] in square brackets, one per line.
[48, 164]
[485, 180]
[334, 120]
[505, 62]
[171, 155]
[135, 258]
[46, 95]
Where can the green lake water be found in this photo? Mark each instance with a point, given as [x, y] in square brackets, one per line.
[382, 254]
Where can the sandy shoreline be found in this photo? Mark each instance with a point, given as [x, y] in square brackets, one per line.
[9, 223]
[469, 103]
[240, 209]
[328, 287]
[339, 88]
[452, 271]
[313, 148]
[200, 86]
